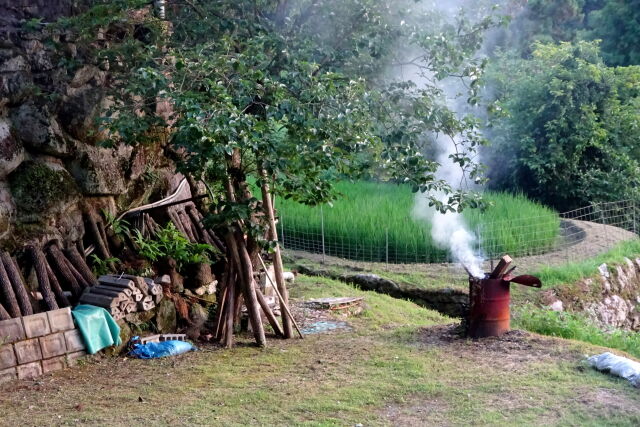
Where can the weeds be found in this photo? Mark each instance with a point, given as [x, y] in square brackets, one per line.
[575, 326]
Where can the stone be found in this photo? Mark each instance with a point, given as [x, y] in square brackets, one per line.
[101, 171]
[29, 371]
[126, 333]
[7, 375]
[604, 271]
[28, 351]
[7, 357]
[53, 345]
[7, 209]
[54, 364]
[36, 325]
[38, 130]
[374, 282]
[15, 87]
[78, 111]
[15, 64]
[74, 358]
[166, 316]
[60, 320]
[40, 191]
[11, 151]
[74, 341]
[11, 331]
[557, 306]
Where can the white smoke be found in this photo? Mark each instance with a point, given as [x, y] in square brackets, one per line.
[450, 231]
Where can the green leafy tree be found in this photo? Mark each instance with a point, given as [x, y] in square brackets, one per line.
[565, 126]
[617, 24]
[293, 95]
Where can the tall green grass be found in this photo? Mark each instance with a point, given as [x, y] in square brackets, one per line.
[373, 221]
[575, 326]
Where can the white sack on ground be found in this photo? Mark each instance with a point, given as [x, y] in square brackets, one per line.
[617, 365]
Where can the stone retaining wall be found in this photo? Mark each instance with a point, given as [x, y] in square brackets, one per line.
[31, 346]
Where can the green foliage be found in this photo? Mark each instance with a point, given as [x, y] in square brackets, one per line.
[576, 327]
[119, 226]
[565, 126]
[101, 266]
[297, 88]
[170, 242]
[356, 225]
[617, 24]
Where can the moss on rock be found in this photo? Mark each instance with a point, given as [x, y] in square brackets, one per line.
[37, 188]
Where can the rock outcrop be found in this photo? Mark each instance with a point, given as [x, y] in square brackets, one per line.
[611, 298]
[52, 165]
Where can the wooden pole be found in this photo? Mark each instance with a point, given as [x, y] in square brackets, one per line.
[230, 312]
[79, 263]
[7, 291]
[57, 289]
[282, 302]
[277, 258]
[60, 264]
[40, 266]
[4, 315]
[268, 313]
[100, 245]
[241, 258]
[18, 284]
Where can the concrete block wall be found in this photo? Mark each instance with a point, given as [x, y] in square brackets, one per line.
[31, 346]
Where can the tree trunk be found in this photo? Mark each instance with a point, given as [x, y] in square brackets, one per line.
[18, 284]
[241, 258]
[4, 315]
[273, 321]
[57, 289]
[62, 268]
[40, 266]
[277, 258]
[100, 245]
[78, 261]
[10, 300]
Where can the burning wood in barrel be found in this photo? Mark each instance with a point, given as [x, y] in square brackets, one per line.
[489, 298]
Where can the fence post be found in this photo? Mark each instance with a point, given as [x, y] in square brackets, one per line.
[281, 221]
[322, 230]
[635, 230]
[386, 238]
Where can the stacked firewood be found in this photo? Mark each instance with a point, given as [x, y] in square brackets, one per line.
[123, 294]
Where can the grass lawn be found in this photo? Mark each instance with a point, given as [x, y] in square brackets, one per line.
[398, 366]
[374, 219]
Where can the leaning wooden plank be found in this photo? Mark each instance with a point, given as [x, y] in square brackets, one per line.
[116, 281]
[78, 261]
[57, 289]
[40, 266]
[99, 290]
[17, 283]
[99, 300]
[10, 300]
[501, 268]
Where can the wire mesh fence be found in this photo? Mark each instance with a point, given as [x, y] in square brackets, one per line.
[572, 235]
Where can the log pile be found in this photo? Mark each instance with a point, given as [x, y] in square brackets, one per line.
[123, 294]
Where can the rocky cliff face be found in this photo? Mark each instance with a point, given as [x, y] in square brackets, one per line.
[612, 298]
[51, 163]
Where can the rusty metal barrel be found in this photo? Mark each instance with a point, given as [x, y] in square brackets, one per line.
[489, 314]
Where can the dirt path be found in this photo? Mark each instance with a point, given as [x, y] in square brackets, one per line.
[588, 239]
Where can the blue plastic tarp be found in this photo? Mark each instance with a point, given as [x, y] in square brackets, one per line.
[98, 329]
[153, 350]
